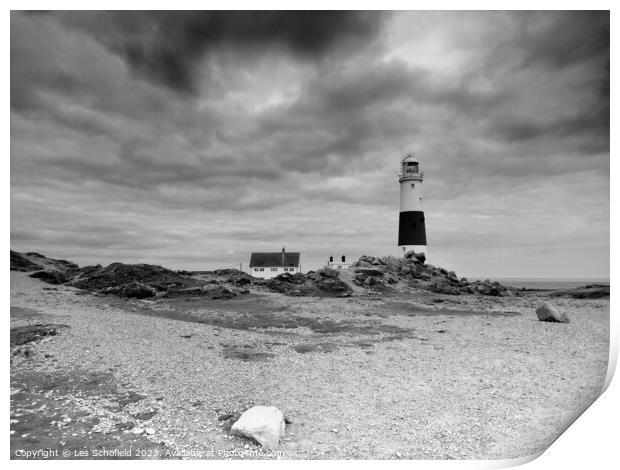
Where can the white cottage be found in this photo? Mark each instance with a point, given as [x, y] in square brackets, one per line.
[268, 265]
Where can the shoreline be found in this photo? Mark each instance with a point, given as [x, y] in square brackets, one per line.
[413, 375]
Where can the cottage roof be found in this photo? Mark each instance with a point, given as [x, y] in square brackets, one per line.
[270, 260]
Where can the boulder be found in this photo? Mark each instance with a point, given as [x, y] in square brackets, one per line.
[136, 290]
[548, 312]
[264, 424]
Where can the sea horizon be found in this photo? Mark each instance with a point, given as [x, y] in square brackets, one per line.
[545, 283]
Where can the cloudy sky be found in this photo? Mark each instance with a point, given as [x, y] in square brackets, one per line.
[191, 139]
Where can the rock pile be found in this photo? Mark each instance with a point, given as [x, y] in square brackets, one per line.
[322, 283]
[389, 272]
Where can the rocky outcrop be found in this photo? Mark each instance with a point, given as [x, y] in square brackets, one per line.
[391, 273]
[141, 281]
[227, 276]
[51, 264]
[117, 275]
[52, 271]
[548, 312]
[264, 424]
[322, 283]
[21, 263]
[233, 276]
[32, 261]
[145, 280]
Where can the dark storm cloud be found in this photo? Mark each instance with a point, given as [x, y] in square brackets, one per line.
[564, 38]
[560, 41]
[167, 47]
[344, 114]
[282, 135]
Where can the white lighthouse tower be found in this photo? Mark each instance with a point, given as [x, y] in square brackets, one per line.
[411, 227]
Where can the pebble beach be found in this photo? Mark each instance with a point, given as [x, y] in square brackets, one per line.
[423, 376]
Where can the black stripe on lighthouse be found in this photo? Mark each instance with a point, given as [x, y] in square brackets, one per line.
[411, 228]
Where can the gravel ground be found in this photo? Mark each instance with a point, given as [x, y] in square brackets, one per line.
[421, 376]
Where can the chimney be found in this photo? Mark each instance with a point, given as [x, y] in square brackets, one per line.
[331, 259]
[343, 258]
[283, 256]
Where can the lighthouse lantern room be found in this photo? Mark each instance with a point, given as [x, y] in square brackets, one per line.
[411, 227]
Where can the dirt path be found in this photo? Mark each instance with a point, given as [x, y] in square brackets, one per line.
[362, 377]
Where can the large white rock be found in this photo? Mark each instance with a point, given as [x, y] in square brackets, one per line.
[264, 424]
[547, 312]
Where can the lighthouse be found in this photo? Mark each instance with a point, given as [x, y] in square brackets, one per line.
[411, 227]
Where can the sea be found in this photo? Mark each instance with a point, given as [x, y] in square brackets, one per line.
[552, 284]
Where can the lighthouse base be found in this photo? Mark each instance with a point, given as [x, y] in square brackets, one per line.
[411, 229]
